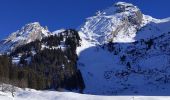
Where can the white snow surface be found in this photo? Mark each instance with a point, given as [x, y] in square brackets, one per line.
[30, 94]
[58, 31]
[120, 23]
[104, 73]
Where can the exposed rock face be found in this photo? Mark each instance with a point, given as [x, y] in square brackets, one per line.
[138, 66]
[118, 22]
[135, 17]
[28, 33]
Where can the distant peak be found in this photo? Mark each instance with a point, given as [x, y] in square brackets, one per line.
[33, 24]
[123, 6]
[116, 23]
[28, 33]
[29, 28]
[119, 7]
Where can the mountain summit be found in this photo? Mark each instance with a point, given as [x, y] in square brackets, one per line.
[125, 52]
[28, 33]
[118, 23]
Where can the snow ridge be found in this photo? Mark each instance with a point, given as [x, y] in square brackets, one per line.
[118, 24]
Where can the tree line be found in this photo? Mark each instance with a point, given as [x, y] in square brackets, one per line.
[47, 68]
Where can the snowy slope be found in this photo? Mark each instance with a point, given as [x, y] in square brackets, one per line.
[58, 31]
[28, 33]
[137, 60]
[118, 23]
[30, 94]
[105, 73]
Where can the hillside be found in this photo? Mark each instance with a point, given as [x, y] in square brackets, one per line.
[129, 52]
[49, 63]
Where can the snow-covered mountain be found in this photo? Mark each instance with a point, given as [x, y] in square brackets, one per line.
[122, 52]
[28, 33]
[118, 23]
[125, 52]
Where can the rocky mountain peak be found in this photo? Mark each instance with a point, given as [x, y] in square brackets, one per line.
[123, 6]
[125, 34]
[133, 13]
[28, 33]
[32, 28]
[118, 23]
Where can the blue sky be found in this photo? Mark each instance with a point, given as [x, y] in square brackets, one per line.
[58, 14]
